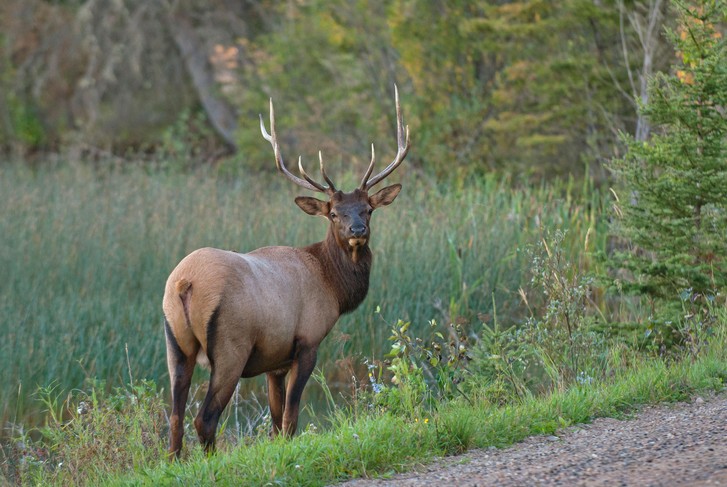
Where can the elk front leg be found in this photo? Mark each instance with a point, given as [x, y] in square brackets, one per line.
[276, 400]
[300, 372]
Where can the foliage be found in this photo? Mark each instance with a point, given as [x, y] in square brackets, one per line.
[557, 345]
[697, 323]
[185, 143]
[90, 431]
[562, 337]
[330, 69]
[501, 361]
[422, 375]
[552, 99]
[672, 205]
[528, 88]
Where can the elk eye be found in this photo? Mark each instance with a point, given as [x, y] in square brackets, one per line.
[333, 215]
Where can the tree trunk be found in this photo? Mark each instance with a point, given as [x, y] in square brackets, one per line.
[219, 111]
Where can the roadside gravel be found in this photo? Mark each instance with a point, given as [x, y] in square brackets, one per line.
[667, 445]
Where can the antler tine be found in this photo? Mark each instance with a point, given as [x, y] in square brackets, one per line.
[319, 187]
[402, 140]
[331, 186]
[308, 183]
[369, 170]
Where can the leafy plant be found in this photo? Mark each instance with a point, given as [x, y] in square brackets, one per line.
[561, 337]
[555, 346]
[698, 321]
[422, 373]
[501, 358]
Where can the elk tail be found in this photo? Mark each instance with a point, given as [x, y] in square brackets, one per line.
[184, 289]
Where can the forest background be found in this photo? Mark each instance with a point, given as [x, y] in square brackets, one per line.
[530, 88]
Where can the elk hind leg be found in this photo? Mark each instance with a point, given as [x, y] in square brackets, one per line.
[225, 376]
[181, 368]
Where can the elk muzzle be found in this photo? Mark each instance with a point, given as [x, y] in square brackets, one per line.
[358, 233]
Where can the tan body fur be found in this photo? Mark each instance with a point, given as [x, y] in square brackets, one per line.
[249, 289]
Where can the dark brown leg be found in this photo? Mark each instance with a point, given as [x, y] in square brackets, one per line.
[180, 368]
[300, 372]
[222, 384]
[276, 400]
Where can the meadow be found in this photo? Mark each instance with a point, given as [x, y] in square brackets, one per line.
[483, 325]
[85, 251]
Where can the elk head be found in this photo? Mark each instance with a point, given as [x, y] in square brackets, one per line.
[349, 213]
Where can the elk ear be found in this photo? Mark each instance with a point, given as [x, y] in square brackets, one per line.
[312, 206]
[385, 196]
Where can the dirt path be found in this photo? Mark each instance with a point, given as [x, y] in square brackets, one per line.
[668, 445]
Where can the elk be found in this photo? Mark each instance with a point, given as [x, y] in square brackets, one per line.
[268, 310]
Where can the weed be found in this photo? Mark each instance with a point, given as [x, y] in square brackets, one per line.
[698, 321]
[88, 431]
[561, 338]
[422, 373]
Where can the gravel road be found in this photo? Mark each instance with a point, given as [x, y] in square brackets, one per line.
[667, 445]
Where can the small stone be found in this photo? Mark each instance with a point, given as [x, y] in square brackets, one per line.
[552, 438]
[698, 400]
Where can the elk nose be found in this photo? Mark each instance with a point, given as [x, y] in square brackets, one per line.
[358, 230]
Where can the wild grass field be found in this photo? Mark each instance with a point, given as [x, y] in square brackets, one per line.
[523, 336]
[85, 252]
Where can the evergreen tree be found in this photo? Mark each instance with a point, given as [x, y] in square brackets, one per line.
[673, 197]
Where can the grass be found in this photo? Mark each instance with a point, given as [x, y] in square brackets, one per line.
[85, 252]
[372, 443]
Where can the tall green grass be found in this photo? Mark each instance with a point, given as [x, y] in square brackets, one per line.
[85, 252]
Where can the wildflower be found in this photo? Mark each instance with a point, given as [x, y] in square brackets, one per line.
[583, 378]
[377, 387]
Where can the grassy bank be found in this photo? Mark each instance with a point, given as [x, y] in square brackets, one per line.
[116, 440]
[85, 252]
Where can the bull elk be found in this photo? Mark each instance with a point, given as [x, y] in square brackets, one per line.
[267, 311]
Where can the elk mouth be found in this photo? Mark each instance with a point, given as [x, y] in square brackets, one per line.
[356, 242]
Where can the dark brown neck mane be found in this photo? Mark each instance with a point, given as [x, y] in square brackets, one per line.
[348, 279]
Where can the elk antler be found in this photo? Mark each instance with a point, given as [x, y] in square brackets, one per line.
[403, 148]
[307, 182]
